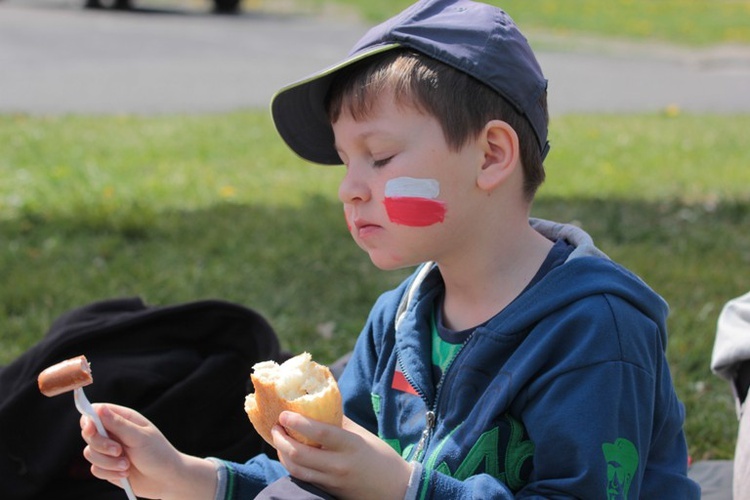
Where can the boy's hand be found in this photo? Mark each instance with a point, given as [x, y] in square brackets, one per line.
[352, 463]
[136, 449]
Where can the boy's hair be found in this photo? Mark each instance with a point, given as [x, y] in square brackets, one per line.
[461, 104]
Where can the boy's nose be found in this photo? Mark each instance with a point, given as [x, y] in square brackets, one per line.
[353, 188]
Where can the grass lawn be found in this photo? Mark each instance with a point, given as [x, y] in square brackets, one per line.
[693, 22]
[186, 207]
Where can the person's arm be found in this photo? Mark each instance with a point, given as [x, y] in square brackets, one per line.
[730, 358]
[607, 420]
[137, 450]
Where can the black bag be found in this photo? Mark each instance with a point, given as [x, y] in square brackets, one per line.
[185, 367]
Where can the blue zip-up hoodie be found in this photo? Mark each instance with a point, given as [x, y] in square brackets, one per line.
[565, 393]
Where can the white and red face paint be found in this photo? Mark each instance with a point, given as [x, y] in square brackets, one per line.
[413, 202]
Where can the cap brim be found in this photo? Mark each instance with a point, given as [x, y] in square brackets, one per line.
[299, 112]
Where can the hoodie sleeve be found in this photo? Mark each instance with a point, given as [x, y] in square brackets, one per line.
[246, 480]
[601, 437]
[606, 421]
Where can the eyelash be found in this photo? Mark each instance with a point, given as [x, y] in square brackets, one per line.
[382, 163]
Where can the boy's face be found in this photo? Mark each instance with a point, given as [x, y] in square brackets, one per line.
[407, 197]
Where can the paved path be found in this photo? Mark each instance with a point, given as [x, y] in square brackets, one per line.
[56, 57]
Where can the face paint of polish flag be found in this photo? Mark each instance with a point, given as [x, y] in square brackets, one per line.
[413, 202]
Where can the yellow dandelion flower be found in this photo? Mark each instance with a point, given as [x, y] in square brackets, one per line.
[672, 110]
[227, 191]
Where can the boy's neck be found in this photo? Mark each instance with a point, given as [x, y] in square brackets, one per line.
[483, 283]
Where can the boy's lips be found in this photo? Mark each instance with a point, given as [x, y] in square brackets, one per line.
[364, 228]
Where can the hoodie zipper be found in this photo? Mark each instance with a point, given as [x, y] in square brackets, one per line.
[431, 414]
[430, 417]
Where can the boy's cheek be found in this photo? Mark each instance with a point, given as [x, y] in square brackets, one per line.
[347, 218]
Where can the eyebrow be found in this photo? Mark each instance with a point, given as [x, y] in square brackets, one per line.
[365, 135]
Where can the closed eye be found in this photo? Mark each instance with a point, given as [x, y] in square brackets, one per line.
[382, 163]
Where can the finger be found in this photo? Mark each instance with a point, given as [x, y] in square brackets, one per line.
[113, 476]
[284, 443]
[88, 428]
[328, 436]
[291, 454]
[289, 449]
[304, 462]
[96, 441]
[106, 466]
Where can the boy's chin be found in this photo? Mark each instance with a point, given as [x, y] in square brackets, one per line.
[390, 263]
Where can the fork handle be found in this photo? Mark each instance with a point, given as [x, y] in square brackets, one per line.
[86, 409]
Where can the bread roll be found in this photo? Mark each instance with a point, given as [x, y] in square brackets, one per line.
[300, 385]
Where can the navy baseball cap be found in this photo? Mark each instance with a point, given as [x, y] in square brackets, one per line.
[476, 38]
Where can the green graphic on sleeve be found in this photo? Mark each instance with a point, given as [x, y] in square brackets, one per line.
[375, 399]
[485, 456]
[622, 463]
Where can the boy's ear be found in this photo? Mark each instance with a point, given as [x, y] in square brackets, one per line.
[501, 154]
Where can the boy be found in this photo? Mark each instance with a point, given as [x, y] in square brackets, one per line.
[518, 360]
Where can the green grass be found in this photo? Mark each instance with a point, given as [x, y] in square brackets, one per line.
[689, 22]
[181, 208]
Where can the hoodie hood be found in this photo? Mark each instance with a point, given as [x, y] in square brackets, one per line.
[587, 272]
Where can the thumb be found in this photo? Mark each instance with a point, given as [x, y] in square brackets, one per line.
[123, 424]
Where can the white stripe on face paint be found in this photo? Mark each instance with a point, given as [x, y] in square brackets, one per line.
[402, 187]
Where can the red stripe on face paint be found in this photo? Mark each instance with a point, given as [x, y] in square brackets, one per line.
[414, 211]
[401, 384]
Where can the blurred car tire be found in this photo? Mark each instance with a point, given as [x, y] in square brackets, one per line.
[221, 6]
[226, 6]
[108, 4]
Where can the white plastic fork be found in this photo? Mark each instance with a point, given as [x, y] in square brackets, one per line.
[84, 407]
